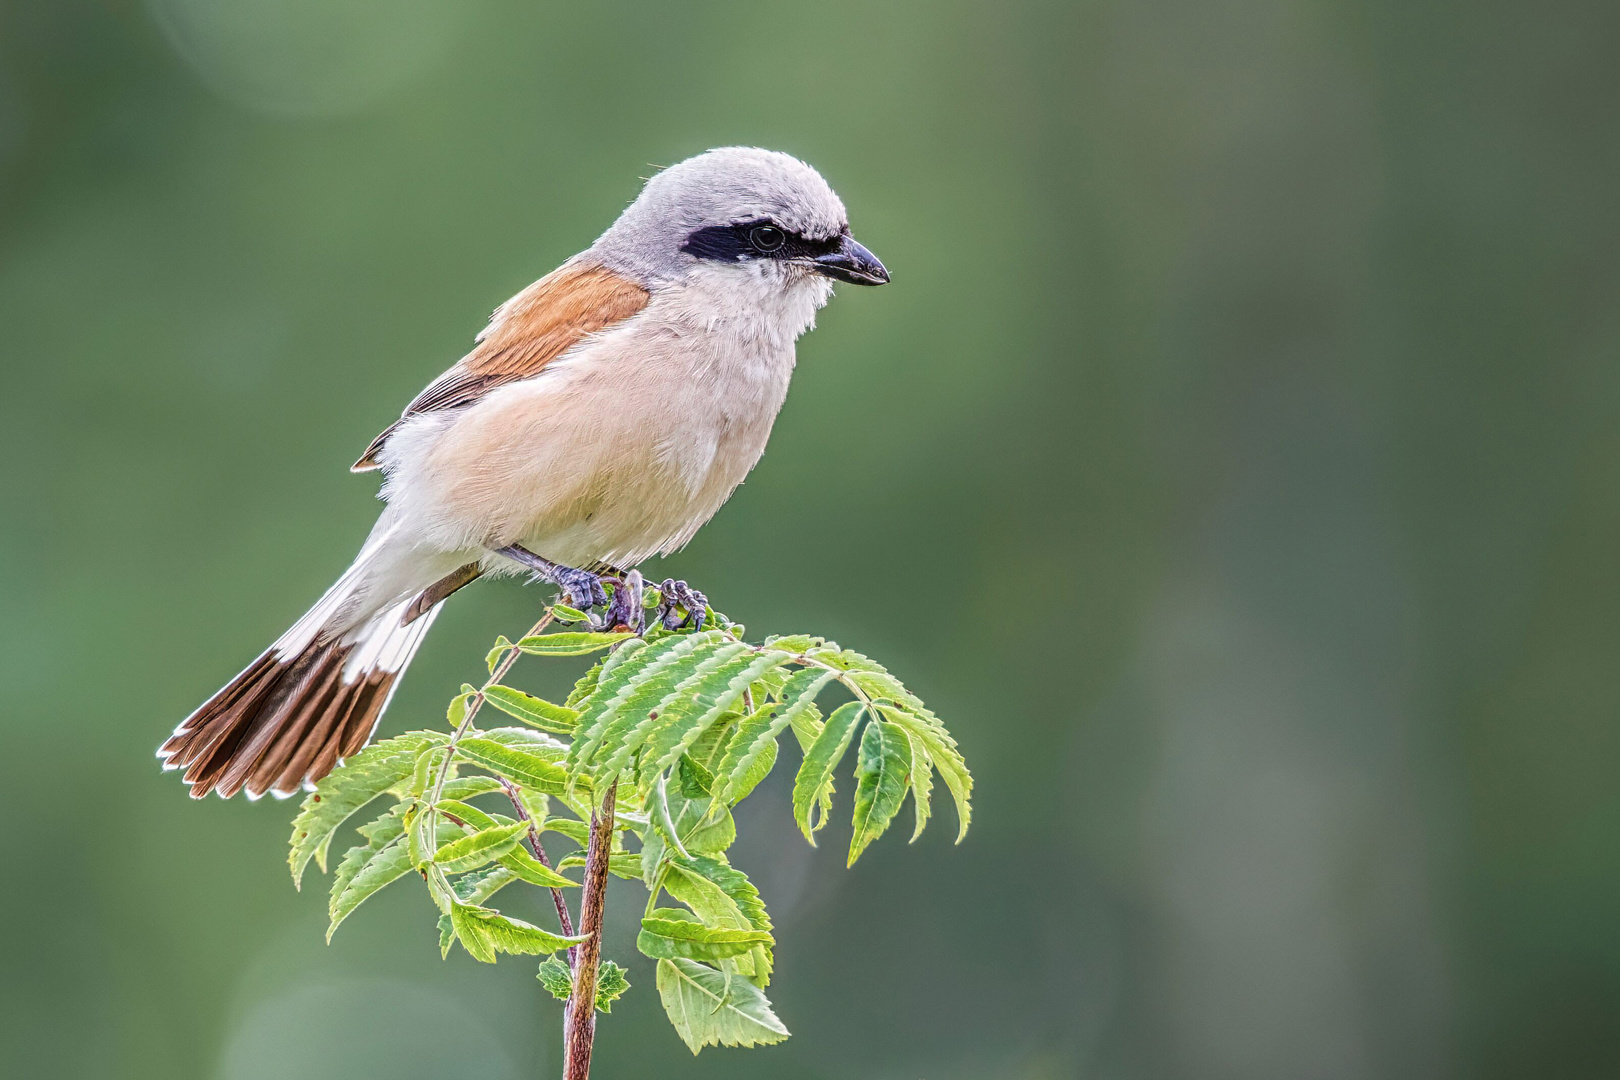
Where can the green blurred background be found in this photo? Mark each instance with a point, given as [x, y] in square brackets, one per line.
[1233, 463]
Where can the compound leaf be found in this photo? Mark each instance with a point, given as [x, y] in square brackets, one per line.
[345, 790]
[814, 781]
[667, 933]
[711, 1008]
[882, 775]
[532, 710]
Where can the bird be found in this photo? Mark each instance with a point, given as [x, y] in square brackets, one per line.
[604, 414]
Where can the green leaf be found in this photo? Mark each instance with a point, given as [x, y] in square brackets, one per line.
[924, 727]
[571, 643]
[663, 820]
[522, 767]
[693, 778]
[794, 643]
[922, 784]
[387, 826]
[752, 752]
[484, 932]
[711, 1008]
[447, 934]
[586, 683]
[502, 645]
[480, 885]
[577, 831]
[474, 817]
[722, 895]
[620, 723]
[565, 614]
[484, 846]
[624, 864]
[557, 978]
[532, 870]
[611, 983]
[669, 932]
[618, 683]
[882, 776]
[699, 702]
[816, 771]
[346, 789]
[364, 871]
[532, 710]
[470, 786]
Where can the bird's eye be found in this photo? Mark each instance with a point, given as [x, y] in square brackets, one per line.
[767, 238]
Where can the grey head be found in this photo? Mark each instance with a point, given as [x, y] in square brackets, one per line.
[758, 210]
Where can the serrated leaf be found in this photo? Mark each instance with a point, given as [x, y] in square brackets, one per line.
[692, 777]
[663, 820]
[721, 895]
[924, 727]
[483, 932]
[571, 643]
[698, 703]
[711, 1008]
[385, 827]
[618, 725]
[532, 710]
[447, 935]
[670, 932]
[621, 674]
[363, 872]
[622, 864]
[556, 977]
[483, 846]
[611, 984]
[480, 885]
[814, 781]
[745, 764]
[882, 777]
[577, 831]
[794, 643]
[922, 785]
[522, 767]
[532, 870]
[468, 787]
[586, 683]
[474, 817]
[345, 790]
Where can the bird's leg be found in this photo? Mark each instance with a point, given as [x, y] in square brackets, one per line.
[678, 594]
[625, 609]
[581, 588]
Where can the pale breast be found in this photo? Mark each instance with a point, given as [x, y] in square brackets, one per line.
[619, 450]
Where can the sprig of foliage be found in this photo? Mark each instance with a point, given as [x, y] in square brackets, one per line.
[677, 727]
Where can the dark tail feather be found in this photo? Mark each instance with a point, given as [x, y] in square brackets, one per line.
[287, 721]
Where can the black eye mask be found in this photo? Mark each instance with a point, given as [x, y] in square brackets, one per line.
[758, 239]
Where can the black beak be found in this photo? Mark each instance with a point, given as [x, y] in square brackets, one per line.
[852, 263]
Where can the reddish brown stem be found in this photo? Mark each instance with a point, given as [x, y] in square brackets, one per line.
[563, 919]
[579, 1018]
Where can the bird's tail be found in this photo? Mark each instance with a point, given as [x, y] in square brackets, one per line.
[311, 700]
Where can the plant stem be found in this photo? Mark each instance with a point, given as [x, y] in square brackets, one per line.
[522, 813]
[579, 1018]
[475, 703]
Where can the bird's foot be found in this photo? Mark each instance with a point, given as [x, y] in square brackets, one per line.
[678, 594]
[580, 588]
[625, 608]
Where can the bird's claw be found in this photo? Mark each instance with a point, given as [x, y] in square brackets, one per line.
[581, 588]
[678, 594]
[625, 608]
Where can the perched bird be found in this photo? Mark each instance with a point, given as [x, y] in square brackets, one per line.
[605, 413]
